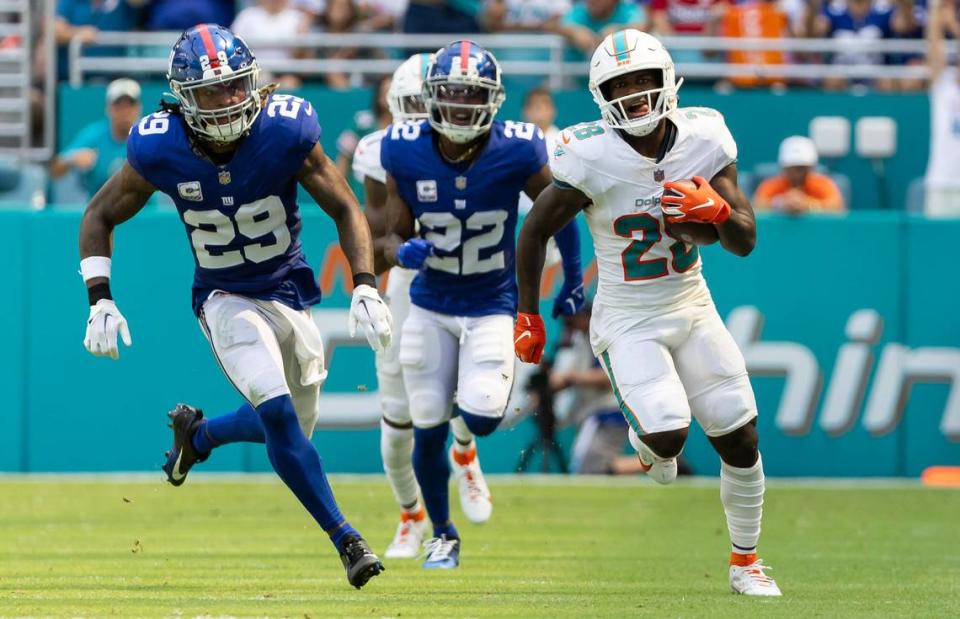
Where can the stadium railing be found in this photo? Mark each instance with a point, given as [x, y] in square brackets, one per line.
[146, 53]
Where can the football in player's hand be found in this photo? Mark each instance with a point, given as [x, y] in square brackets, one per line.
[690, 232]
[693, 233]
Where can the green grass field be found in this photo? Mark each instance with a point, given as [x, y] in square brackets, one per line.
[553, 548]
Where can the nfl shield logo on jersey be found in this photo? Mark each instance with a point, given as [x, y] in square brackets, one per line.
[658, 175]
[460, 182]
[224, 177]
[190, 191]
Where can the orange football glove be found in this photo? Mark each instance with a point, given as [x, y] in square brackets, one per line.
[529, 337]
[701, 205]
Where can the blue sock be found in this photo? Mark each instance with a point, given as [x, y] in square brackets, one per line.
[241, 426]
[298, 464]
[433, 474]
[480, 425]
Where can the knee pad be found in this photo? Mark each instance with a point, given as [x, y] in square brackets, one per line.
[479, 424]
[396, 410]
[429, 408]
[485, 392]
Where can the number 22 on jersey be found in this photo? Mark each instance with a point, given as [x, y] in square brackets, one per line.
[445, 231]
[635, 268]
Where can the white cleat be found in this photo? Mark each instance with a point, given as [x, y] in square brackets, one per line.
[660, 470]
[475, 499]
[408, 538]
[750, 580]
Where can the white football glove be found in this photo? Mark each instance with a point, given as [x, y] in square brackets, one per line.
[369, 311]
[102, 327]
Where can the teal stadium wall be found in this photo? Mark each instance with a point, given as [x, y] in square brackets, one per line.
[67, 411]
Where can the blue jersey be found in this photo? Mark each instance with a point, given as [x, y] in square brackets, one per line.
[242, 217]
[468, 211]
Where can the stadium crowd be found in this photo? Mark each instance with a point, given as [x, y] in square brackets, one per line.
[583, 23]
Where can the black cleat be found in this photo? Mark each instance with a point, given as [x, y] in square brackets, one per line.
[184, 420]
[359, 561]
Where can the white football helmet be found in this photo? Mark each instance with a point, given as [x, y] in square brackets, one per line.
[405, 96]
[626, 51]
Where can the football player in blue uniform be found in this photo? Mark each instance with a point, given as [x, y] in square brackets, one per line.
[230, 156]
[453, 184]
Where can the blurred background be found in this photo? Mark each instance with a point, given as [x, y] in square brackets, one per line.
[847, 117]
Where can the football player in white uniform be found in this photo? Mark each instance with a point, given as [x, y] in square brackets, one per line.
[405, 100]
[654, 327]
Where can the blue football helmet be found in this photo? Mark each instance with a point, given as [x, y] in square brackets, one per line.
[463, 91]
[213, 74]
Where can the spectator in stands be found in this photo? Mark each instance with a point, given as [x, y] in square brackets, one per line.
[587, 23]
[539, 109]
[442, 16]
[100, 148]
[519, 16]
[364, 122]
[524, 15]
[178, 15]
[950, 18]
[269, 21]
[381, 15]
[942, 182]
[908, 22]
[698, 17]
[798, 189]
[339, 17]
[84, 19]
[852, 19]
[311, 9]
[755, 19]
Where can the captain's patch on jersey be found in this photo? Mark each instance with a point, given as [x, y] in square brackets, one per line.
[427, 191]
[190, 191]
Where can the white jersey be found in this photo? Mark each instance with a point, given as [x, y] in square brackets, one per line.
[642, 271]
[943, 171]
[366, 158]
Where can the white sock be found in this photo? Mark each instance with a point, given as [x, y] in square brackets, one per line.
[462, 434]
[741, 492]
[396, 449]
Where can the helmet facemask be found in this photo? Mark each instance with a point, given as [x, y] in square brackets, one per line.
[462, 110]
[659, 102]
[407, 107]
[220, 124]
